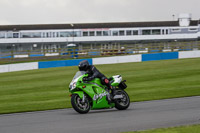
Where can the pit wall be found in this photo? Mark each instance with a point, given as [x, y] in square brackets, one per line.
[99, 61]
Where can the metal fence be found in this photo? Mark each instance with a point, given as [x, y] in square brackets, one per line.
[99, 51]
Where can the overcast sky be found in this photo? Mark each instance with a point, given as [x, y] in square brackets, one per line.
[90, 11]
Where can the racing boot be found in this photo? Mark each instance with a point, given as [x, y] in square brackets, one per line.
[108, 96]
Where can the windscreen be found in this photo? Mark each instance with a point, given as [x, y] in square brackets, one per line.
[78, 74]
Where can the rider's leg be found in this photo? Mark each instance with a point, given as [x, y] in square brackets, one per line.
[106, 82]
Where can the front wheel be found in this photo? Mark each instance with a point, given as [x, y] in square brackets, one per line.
[122, 103]
[78, 105]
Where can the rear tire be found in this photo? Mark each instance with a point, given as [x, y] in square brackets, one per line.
[78, 106]
[123, 103]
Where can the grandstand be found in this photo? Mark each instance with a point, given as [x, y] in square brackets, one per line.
[52, 37]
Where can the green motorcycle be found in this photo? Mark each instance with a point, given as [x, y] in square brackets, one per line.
[88, 95]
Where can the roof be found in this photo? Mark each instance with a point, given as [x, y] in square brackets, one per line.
[94, 25]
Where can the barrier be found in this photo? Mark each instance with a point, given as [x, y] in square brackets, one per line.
[51, 54]
[98, 53]
[63, 63]
[189, 54]
[6, 57]
[117, 59]
[23, 66]
[18, 67]
[160, 56]
[20, 56]
[102, 60]
[36, 55]
[4, 68]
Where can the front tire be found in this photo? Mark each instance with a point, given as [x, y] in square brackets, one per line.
[123, 103]
[78, 106]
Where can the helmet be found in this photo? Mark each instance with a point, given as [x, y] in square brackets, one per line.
[84, 65]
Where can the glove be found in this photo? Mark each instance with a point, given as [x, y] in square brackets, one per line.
[85, 79]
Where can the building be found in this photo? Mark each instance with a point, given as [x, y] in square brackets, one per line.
[106, 35]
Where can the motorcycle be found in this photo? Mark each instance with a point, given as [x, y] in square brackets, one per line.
[87, 95]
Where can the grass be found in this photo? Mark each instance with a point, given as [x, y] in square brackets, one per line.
[181, 129]
[46, 89]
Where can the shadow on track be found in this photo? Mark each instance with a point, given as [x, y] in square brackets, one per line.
[98, 111]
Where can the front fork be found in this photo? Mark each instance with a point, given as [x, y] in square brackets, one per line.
[81, 95]
[83, 99]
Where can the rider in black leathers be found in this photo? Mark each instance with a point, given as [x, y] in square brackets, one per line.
[93, 73]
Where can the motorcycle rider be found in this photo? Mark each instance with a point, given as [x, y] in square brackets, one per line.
[93, 72]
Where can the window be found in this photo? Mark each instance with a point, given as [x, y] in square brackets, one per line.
[115, 33]
[25, 35]
[30, 35]
[99, 33]
[2, 35]
[70, 34]
[146, 32]
[167, 31]
[77, 33]
[85, 33]
[55, 34]
[64, 34]
[105, 33]
[43, 34]
[36, 35]
[176, 30]
[135, 32]
[48, 34]
[15, 35]
[9, 35]
[8, 47]
[128, 32]
[121, 32]
[193, 29]
[156, 32]
[163, 32]
[91, 33]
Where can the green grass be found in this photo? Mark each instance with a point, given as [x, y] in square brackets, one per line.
[45, 89]
[181, 129]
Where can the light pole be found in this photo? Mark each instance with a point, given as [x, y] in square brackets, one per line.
[173, 16]
[72, 33]
[73, 41]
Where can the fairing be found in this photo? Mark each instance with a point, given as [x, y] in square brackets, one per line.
[93, 89]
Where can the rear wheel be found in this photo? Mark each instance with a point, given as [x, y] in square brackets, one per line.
[122, 103]
[80, 106]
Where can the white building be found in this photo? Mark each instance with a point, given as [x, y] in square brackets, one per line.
[53, 36]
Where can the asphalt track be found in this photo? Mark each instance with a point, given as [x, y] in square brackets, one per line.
[140, 116]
